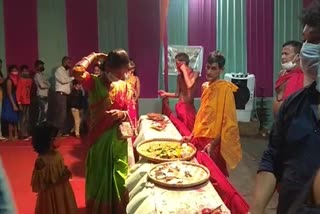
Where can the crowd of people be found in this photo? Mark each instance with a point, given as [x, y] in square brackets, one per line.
[108, 94]
[25, 95]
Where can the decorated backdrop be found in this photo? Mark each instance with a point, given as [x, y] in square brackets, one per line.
[248, 32]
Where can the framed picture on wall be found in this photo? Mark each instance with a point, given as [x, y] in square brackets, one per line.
[195, 54]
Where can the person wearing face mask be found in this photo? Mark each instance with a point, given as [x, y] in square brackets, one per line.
[292, 156]
[134, 81]
[43, 86]
[110, 103]
[291, 76]
[185, 91]
[63, 89]
[96, 69]
[24, 100]
[10, 110]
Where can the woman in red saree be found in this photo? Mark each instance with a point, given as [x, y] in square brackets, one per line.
[110, 100]
[134, 82]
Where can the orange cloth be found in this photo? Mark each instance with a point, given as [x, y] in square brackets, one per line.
[217, 118]
[23, 91]
[50, 179]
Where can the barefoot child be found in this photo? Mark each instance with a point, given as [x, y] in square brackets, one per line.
[50, 177]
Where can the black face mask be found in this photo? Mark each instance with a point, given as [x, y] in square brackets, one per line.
[67, 67]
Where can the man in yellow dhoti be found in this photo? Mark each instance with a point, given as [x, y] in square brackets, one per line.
[216, 127]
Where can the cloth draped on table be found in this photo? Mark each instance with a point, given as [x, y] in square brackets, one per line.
[185, 115]
[293, 80]
[201, 142]
[186, 112]
[229, 195]
[217, 119]
[107, 159]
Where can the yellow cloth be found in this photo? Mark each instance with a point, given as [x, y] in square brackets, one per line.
[217, 118]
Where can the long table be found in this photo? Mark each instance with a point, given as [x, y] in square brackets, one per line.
[145, 197]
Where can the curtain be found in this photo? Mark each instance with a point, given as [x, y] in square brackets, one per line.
[259, 44]
[144, 43]
[177, 31]
[178, 24]
[2, 40]
[112, 25]
[286, 27]
[164, 5]
[52, 33]
[82, 29]
[202, 27]
[231, 34]
[21, 39]
[307, 2]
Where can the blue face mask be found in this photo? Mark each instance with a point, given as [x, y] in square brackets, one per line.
[310, 61]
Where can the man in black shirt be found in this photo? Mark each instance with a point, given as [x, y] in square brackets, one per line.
[292, 156]
[75, 101]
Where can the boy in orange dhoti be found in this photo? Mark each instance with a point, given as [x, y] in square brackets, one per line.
[216, 127]
[185, 91]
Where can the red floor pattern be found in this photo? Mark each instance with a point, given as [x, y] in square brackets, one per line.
[18, 159]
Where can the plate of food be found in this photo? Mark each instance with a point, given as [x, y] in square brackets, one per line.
[163, 150]
[155, 117]
[179, 174]
[159, 125]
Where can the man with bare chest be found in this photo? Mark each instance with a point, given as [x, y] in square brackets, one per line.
[185, 91]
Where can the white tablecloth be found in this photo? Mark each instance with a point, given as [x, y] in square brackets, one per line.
[145, 197]
[146, 132]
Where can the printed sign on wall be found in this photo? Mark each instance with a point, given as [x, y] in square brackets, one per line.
[195, 54]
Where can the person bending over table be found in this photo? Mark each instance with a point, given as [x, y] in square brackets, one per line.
[110, 99]
[216, 127]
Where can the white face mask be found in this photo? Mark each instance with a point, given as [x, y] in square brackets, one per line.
[310, 61]
[289, 65]
[126, 76]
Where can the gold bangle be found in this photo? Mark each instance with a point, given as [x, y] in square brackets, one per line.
[124, 115]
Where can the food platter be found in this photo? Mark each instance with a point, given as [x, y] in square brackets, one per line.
[179, 174]
[164, 150]
[159, 125]
[155, 117]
